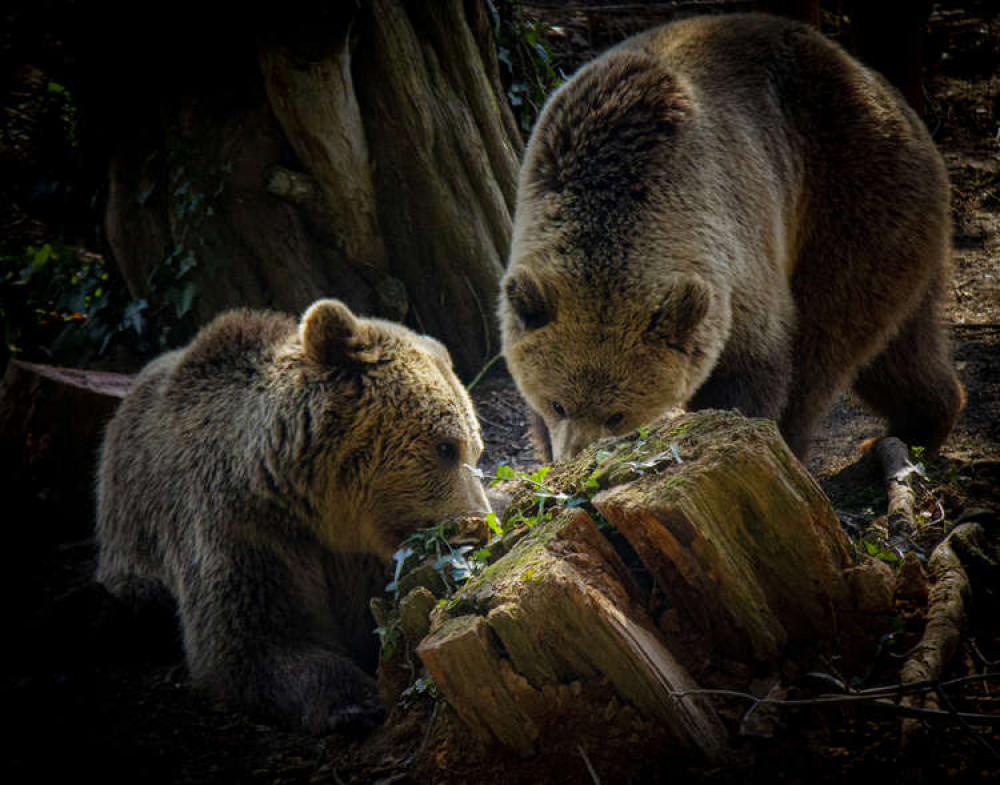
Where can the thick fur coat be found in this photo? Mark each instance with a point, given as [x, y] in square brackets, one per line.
[261, 475]
[729, 212]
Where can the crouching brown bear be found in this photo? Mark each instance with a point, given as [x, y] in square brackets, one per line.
[260, 475]
[729, 212]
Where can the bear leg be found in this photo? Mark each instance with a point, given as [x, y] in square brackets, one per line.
[316, 689]
[754, 383]
[299, 685]
[261, 633]
[540, 438]
[854, 288]
[912, 382]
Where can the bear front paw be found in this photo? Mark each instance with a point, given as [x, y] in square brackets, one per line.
[354, 718]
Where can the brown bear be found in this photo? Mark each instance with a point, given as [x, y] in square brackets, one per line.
[261, 475]
[729, 212]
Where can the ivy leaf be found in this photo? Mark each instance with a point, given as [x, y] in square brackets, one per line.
[400, 558]
[539, 475]
[184, 298]
[503, 472]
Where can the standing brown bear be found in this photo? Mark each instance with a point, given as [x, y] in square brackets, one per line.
[729, 212]
[251, 473]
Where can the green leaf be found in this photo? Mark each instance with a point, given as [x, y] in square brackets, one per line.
[539, 475]
[400, 557]
[132, 317]
[41, 257]
[503, 472]
[185, 298]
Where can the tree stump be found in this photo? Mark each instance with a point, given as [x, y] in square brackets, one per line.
[51, 423]
[729, 562]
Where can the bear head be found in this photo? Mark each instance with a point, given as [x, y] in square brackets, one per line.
[403, 436]
[591, 369]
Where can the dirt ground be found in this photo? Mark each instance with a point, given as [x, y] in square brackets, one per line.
[89, 696]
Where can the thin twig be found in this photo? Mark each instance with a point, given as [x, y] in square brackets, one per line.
[590, 768]
[899, 689]
[946, 701]
[482, 372]
[427, 731]
[876, 697]
[893, 456]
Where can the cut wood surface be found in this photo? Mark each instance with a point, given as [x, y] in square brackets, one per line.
[718, 513]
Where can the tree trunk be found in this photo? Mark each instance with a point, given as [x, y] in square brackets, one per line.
[721, 563]
[888, 36]
[803, 10]
[368, 154]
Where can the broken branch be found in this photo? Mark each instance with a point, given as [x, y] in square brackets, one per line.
[893, 457]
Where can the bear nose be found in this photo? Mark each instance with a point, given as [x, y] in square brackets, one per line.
[569, 440]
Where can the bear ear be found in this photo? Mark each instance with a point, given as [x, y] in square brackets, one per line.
[332, 335]
[526, 298]
[681, 309]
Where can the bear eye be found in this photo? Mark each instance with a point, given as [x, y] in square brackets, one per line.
[447, 451]
[615, 419]
[558, 409]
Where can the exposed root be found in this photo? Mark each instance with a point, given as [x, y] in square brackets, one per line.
[946, 616]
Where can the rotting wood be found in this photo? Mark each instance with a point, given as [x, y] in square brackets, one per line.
[558, 609]
[732, 528]
[744, 541]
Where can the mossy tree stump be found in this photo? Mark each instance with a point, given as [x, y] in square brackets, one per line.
[697, 554]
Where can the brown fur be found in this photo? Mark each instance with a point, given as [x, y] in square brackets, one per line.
[261, 475]
[729, 212]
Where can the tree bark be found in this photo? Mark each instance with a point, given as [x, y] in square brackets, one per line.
[368, 154]
[894, 459]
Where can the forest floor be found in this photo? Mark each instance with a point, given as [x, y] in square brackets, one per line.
[81, 705]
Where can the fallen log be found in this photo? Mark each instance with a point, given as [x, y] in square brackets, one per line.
[695, 554]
